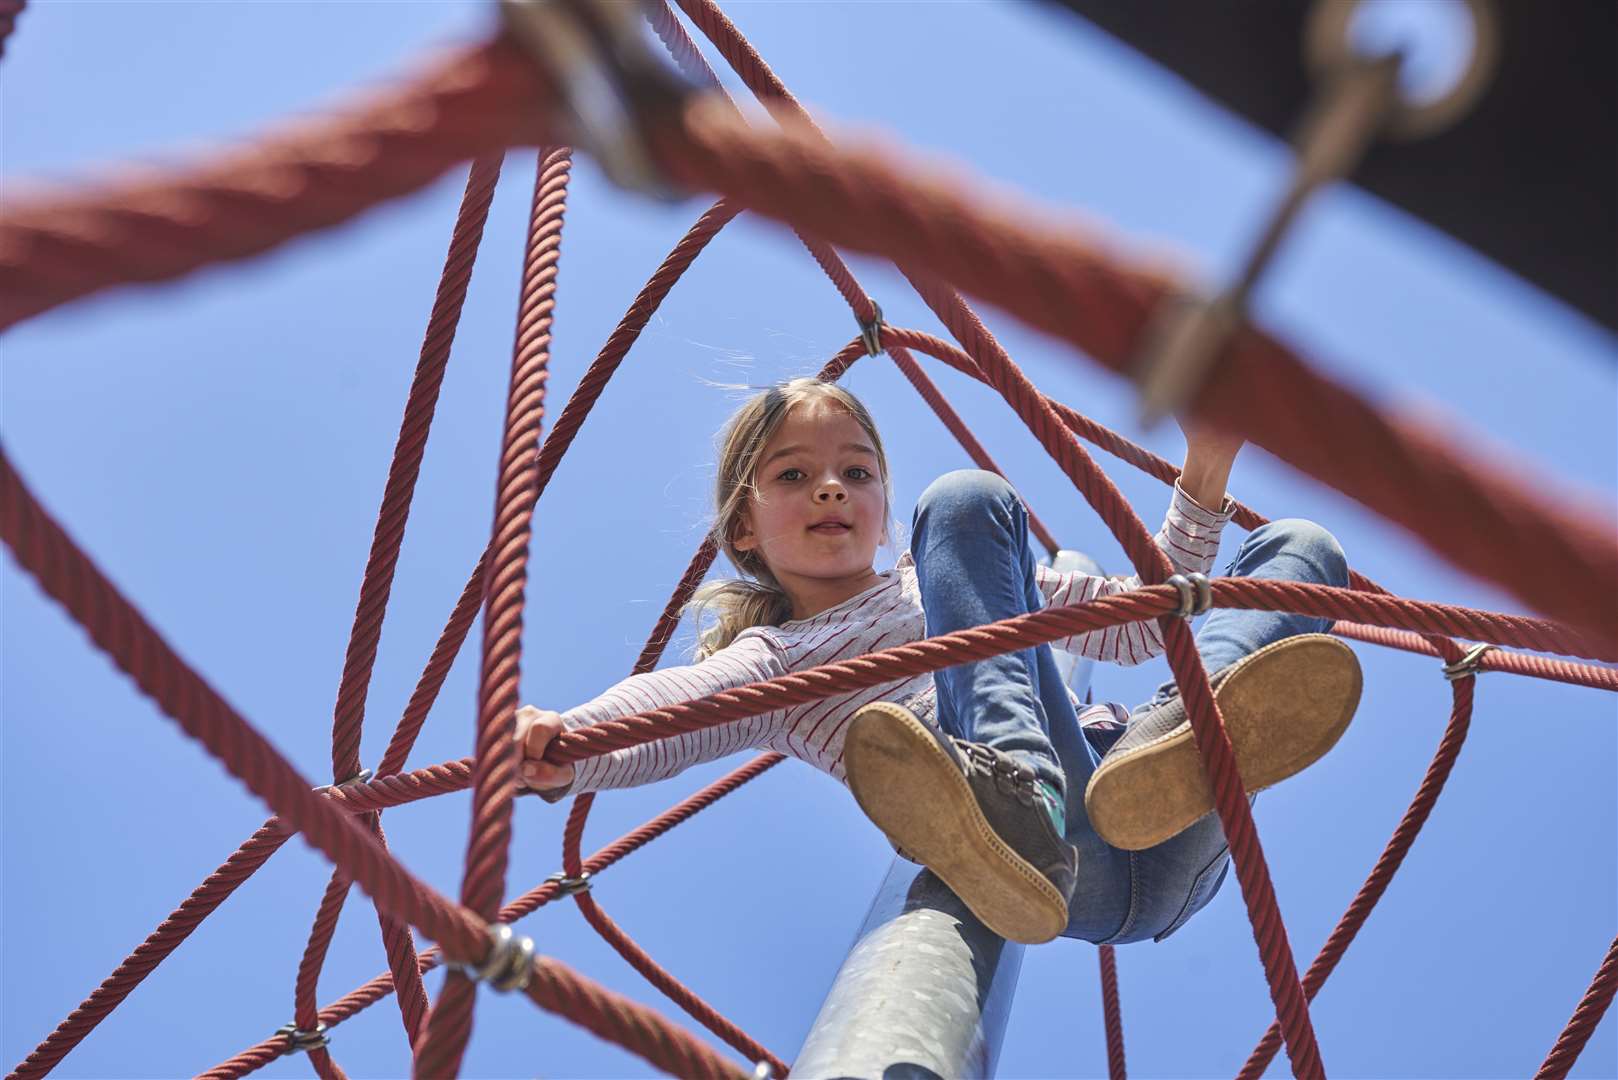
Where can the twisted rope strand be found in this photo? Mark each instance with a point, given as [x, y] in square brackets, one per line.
[215, 889]
[66, 574]
[1112, 1014]
[1559, 1062]
[257, 1056]
[9, 12]
[52, 250]
[160, 225]
[348, 715]
[1387, 864]
[495, 769]
[682, 995]
[1056, 280]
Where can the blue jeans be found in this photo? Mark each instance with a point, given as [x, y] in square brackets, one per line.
[974, 566]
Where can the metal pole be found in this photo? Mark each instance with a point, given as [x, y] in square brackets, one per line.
[926, 989]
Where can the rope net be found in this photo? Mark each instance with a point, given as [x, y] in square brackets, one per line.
[474, 105]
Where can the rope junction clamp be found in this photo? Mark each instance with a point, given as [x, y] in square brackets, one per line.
[1358, 100]
[1196, 594]
[871, 332]
[362, 777]
[613, 85]
[1470, 664]
[301, 1041]
[571, 885]
[510, 962]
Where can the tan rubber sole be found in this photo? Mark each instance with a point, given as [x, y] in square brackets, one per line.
[908, 786]
[1284, 707]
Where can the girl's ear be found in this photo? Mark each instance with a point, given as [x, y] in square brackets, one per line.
[742, 538]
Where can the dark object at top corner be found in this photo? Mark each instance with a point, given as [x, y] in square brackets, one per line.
[1528, 178]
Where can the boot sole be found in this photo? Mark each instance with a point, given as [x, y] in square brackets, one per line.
[914, 792]
[1284, 707]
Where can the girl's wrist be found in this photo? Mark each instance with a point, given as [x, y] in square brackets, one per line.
[1205, 483]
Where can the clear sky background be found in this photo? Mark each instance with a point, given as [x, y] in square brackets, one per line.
[220, 446]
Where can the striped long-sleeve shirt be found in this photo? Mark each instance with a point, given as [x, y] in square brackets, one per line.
[884, 615]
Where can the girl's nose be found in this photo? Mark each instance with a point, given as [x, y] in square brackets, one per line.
[831, 493]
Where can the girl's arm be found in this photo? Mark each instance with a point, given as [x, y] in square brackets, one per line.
[1189, 537]
[751, 657]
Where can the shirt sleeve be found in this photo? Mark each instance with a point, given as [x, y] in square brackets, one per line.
[1189, 537]
[750, 658]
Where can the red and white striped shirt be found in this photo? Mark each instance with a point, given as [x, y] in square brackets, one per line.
[882, 616]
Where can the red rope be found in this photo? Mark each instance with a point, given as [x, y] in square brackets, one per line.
[1103, 321]
[303, 177]
[1559, 560]
[1432, 785]
[690, 60]
[382, 985]
[1111, 1013]
[377, 585]
[682, 995]
[1539, 667]
[9, 11]
[66, 574]
[214, 890]
[494, 776]
[53, 250]
[1559, 1062]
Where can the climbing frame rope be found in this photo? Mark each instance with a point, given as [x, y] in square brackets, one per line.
[472, 104]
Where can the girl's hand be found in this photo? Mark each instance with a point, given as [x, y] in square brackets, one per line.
[535, 730]
[1209, 443]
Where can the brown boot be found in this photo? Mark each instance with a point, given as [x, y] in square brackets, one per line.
[1284, 707]
[970, 814]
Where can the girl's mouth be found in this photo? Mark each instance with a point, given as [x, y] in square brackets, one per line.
[830, 528]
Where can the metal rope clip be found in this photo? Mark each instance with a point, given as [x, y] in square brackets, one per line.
[1196, 594]
[612, 83]
[762, 1071]
[1470, 664]
[1359, 99]
[510, 961]
[571, 885]
[362, 777]
[301, 1041]
[871, 332]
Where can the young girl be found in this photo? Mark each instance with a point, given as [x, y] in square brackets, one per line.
[1044, 821]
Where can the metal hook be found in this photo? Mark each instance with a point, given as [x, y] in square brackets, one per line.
[611, 81]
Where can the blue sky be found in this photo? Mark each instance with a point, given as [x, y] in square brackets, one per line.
[219, 446]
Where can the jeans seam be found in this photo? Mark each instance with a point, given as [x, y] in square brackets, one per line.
[1134, 904]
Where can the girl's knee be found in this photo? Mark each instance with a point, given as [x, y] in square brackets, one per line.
[966, 493]
[1304, 540]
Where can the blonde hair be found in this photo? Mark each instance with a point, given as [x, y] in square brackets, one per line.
[757, 599]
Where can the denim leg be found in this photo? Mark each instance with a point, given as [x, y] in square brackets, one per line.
[969, 540]
[1287, 550]
[1175, 879]
[970, 544]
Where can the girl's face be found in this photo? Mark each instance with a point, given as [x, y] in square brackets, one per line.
[820, 509]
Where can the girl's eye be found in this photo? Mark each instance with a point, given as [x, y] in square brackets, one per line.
[858, 472]
[791, 474]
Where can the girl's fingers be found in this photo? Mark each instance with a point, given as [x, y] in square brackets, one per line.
[544, 775]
